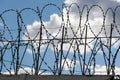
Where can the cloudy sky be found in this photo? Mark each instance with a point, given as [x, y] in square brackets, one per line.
[52, 21]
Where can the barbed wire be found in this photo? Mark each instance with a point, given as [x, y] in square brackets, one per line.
[66, 48]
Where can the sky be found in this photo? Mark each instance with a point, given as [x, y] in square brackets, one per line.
[52, 20]
[14, 4]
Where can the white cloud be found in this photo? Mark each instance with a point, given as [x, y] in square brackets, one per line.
[117, 1]
[95, 21]
[103, 3]
[29, 51]
[25, 70]
[69, 65]
[32, 30]
[51, 26]
[70, 1]
[101, 70]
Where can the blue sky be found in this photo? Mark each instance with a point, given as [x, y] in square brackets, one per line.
[15, 4]
[52, 19]
[18, 5]
[10, 19]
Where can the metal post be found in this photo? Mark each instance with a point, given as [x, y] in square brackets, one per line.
[109, 57]
[60, 68]
[84, 59]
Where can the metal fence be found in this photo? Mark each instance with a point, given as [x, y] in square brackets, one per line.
[67, 49]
